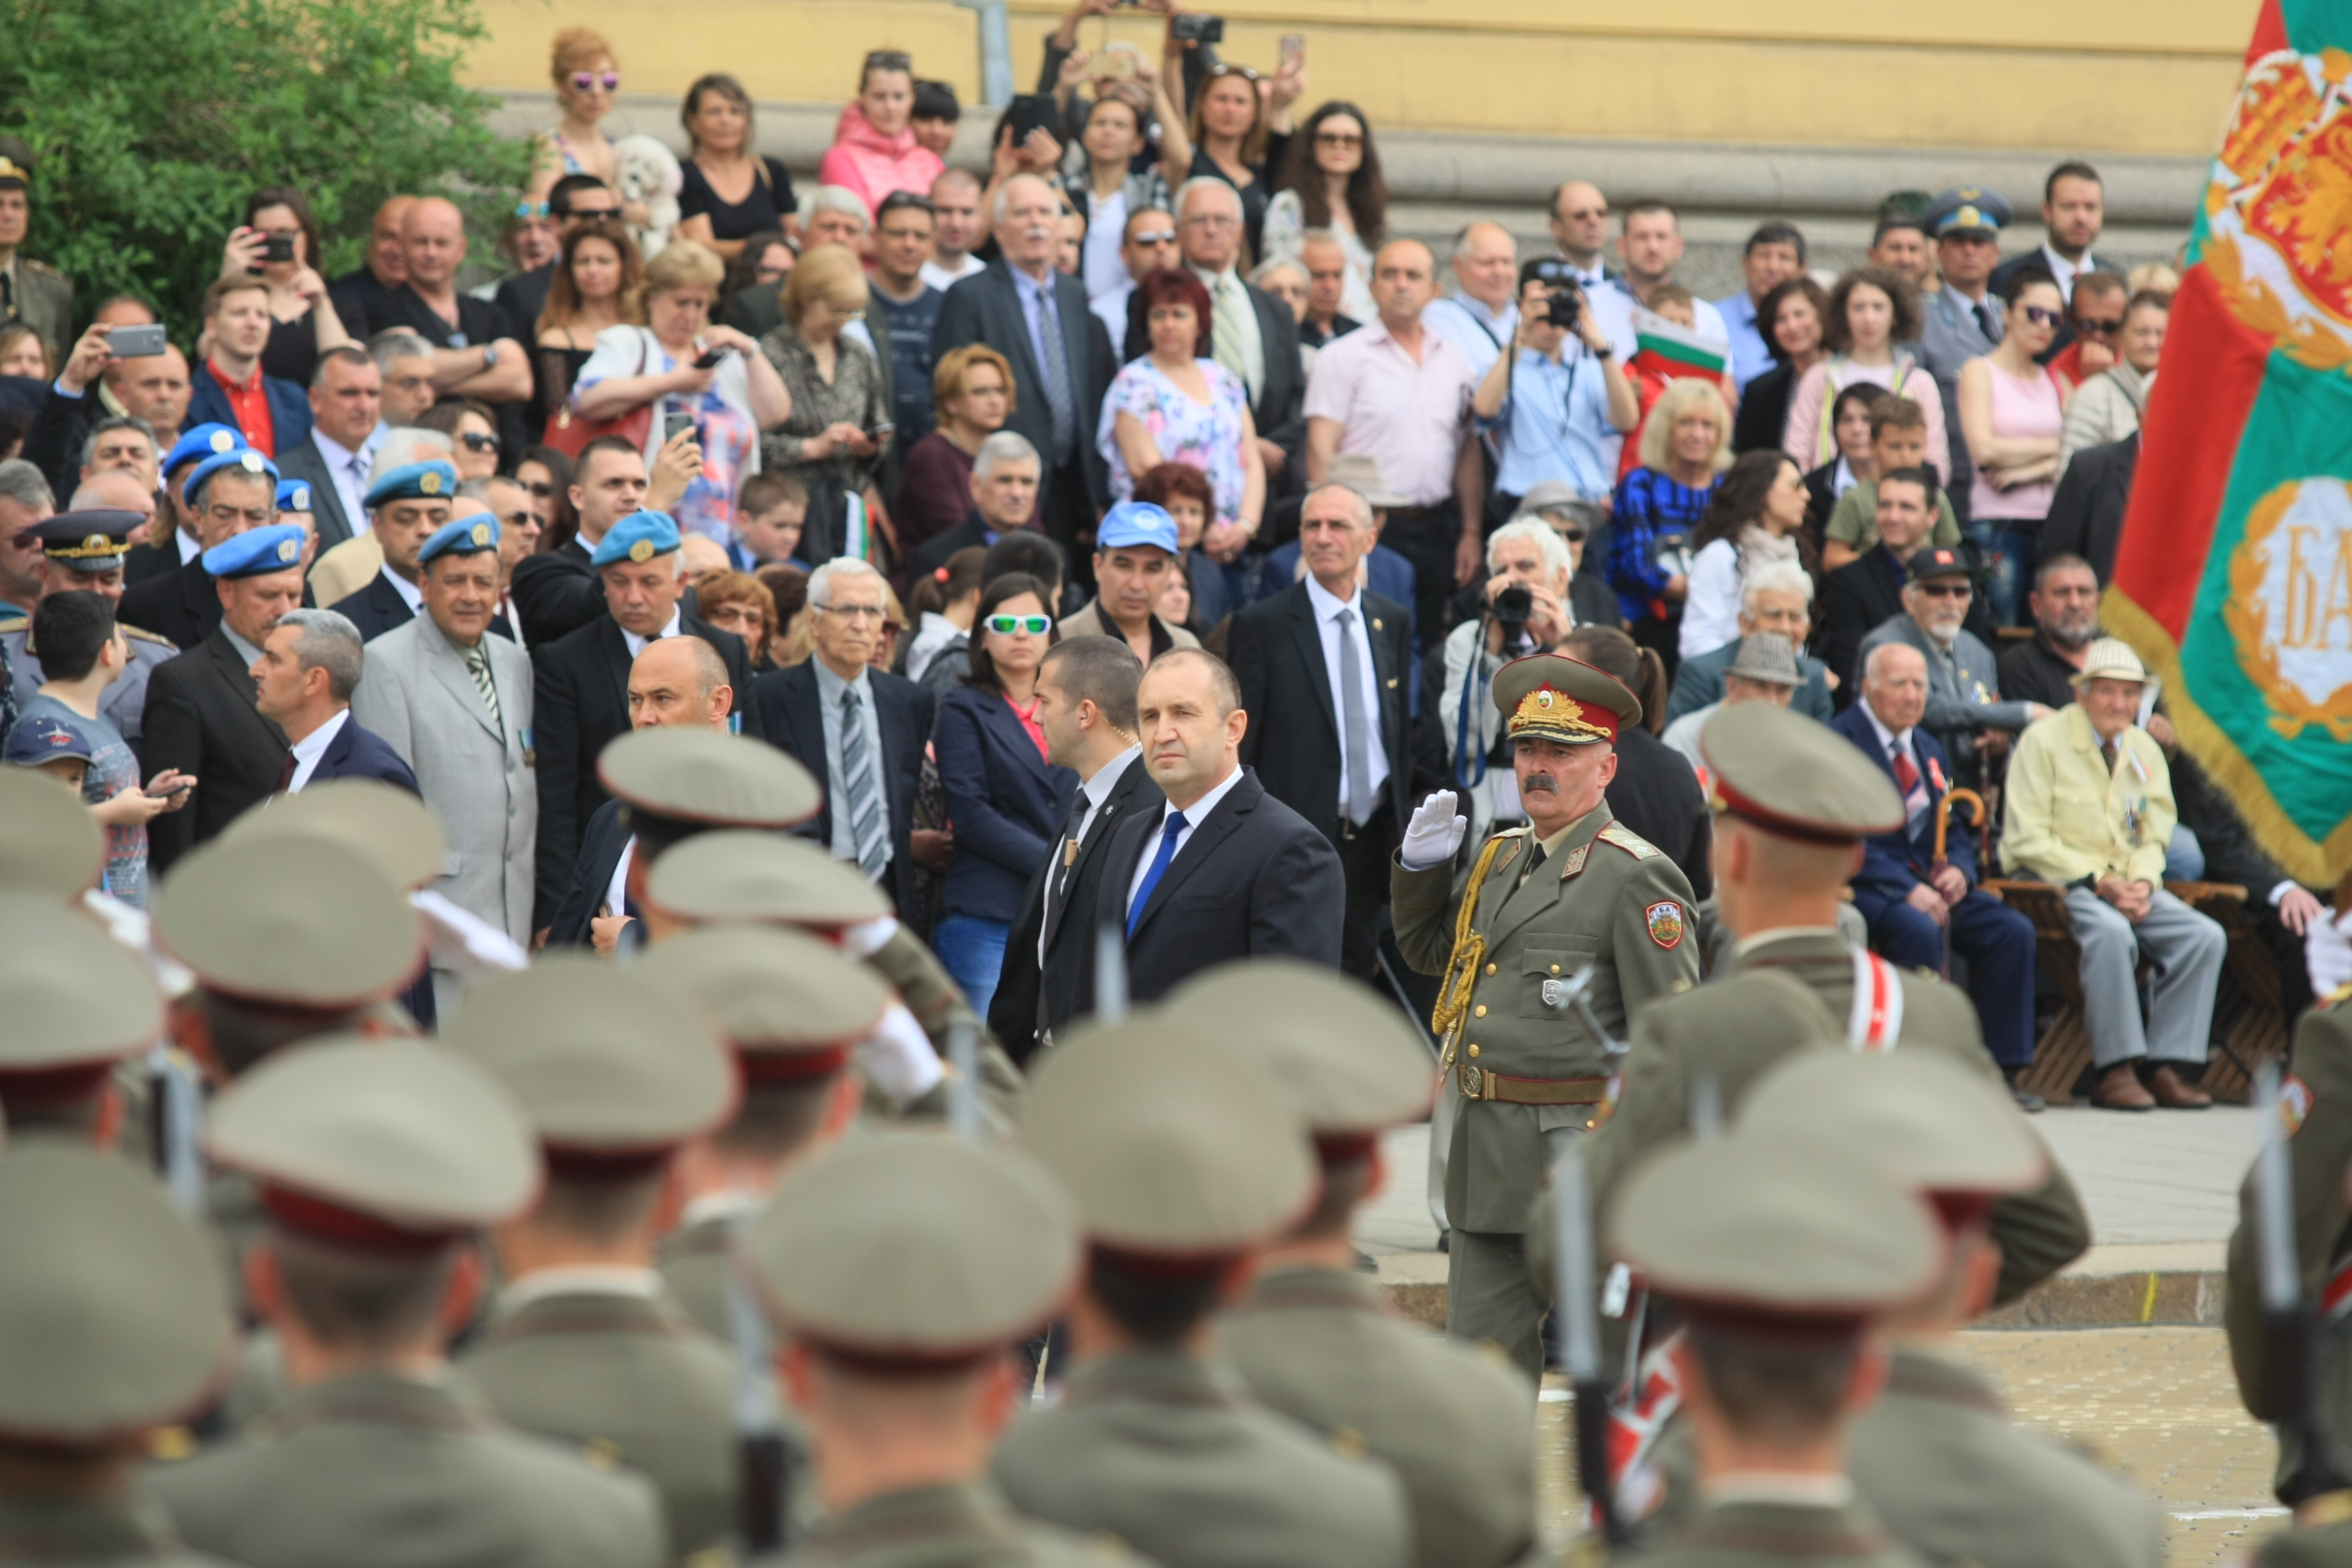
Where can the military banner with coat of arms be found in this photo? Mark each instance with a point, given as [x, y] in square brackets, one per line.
[2233, 579]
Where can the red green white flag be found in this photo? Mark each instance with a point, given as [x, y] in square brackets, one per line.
[1666, 351]
[2233, 578]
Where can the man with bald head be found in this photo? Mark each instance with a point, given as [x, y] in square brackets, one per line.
[475, 353]
[1397, 392]
[1062, 360]
[368, 286]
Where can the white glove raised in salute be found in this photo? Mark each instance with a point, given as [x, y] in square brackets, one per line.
[1435, 833]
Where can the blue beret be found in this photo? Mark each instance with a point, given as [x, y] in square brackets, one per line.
[467, 536]
[1136, 522]
[243, 458]
[640, 536]
[204, 441]
[434, 480]
[41, 737]
[293, 495]
[257, 551]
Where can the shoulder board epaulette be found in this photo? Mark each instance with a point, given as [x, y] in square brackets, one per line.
[1519, 832]
[15, 623]
[30, 265]
[1625, 838]
[138, 634]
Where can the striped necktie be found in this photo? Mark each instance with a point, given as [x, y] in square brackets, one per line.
[478, 665]
[863, 788]
[1225, 306]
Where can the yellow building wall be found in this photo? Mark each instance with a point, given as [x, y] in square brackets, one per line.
[2095, 76]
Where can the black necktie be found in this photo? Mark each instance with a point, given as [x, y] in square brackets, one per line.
[1059, 885]
[1984, 318]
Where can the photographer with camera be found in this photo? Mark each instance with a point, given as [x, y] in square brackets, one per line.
[1557, 411]
[1525, 610]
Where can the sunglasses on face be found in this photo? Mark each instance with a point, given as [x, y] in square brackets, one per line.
[1572, 536]
[592, 215]
[1945, 590]
[477, 442]
[2041, 317]
[1005, 625]
[1247, 73]
[515, 520]
[2091, 329]
[540, 490]
[1155, 236]
[589, 81]
[1337, 138]
[528, 211]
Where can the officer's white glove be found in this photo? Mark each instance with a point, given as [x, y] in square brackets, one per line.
[1435, 833]
[866, 939]
[897, 1058]
[2328, 950]
[461, 939]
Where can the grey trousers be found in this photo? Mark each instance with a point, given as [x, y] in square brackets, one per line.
[2186, 949]
[1489, 1294]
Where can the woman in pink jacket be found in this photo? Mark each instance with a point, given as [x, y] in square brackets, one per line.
[873, 148]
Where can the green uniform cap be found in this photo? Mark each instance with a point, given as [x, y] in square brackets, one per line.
[1551, 697]
[763, 877]
[1928, 1122]
[72, 996]
[298, 920]
[1776, 1226]
[606, 1063]
[377, 1142]
[708, 777]
[382, 822]
[112, 1303]
[1347, 1062]
[902, 1248]
[792, 1006]
[1796, 777]
[1173, 1146]
[51, 845]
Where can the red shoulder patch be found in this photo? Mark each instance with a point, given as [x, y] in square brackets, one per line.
[1664, 920]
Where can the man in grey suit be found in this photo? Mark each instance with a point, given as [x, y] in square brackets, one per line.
[346, 423]
[1963, 703]
[455, 703]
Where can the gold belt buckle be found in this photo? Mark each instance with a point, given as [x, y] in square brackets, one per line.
[1474, 1081]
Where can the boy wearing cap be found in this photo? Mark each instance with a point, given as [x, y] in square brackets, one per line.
[2089, 806]
[1575, 890]
[1185, 1162]
[377, 1164]
[406, 507]
[1135, 550]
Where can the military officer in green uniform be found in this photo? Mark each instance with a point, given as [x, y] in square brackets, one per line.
[899, 1272]
[1782, 1252]
[1793, 803]
[1573, 890]
[85, 550]
[1936, 1456]
[791, 1008]
[379, 1163]
[615, 1076]
[76, 1004]
[1314, 1339]
[1184, 1162]
[31, 291]
[51, 848]
[92, 1242]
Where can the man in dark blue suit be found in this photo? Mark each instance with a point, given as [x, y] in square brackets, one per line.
[1920, 913]
[229, 388]
[309, 665]
[1223, 870]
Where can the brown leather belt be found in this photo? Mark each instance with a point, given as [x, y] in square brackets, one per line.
[1478, 1083]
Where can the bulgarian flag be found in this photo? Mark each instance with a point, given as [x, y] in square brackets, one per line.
[2233, 579]
[1664, 351]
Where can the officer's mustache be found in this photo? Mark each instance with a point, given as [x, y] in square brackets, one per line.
[1539, 783]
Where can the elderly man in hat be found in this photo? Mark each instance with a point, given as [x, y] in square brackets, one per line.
[31, 291]
[1573, 902]
[1764, 672]
[1965, 711]
[2089, 806]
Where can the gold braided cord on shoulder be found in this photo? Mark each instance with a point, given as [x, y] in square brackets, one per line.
[1469, 947]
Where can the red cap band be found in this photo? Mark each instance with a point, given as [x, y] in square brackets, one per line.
[322, 1220]
[792, 1067]
[1834, 835]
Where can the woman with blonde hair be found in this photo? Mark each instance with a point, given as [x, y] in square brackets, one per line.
[679, 365]
[1686, 446]
[971, 391]
[833, 440]
[732, 191]
[22, 352]
[599, 282]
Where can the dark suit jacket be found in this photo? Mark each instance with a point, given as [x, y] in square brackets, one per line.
[600, 852]
[202, 719]
[304, 461]
[2086, 515]
[786, 703]
[1857, 599]
[1008, 803]
[556, 593]
[1894, 863]
[374, 609]
[182, 604]
[290, 407]
[1027, 995]
[1656, 794]
[360, 754]
[1254, 879]
[985, 307]
[1279, 408]
[1293, 742]
[60, 426]
[580, 700]
[145, 562]
[521, 297]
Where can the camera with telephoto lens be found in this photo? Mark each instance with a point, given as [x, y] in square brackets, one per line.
[1513, 605]
[1566, 300]
[1196, 27]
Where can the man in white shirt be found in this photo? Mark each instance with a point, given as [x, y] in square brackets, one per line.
[1579, 227]
[309, 667]
[346, 427]
[2073, 211]
[1479, 319]
[955, 208]
[1148, 245]
[1651, 243]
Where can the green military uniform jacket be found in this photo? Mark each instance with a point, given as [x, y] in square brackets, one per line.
[632, 1382]
[80, 1533]
[1760, 1534]
[694, 1269]
[940, 1005]
[2319, 1153]
[1320, 1346]
[1712, 1033]
[1600, 895]
[355, 1469]
[1156, 1448]
[2325, 1545]
[39, 295]
[945, 1527]
[1939, 1460]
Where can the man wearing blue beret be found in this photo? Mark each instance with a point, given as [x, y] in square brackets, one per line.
[155, 559]
[583, 682]
[223, 496]
[406, 507]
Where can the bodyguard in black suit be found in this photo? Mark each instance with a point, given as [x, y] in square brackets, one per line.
[1223, 870]
[357, 752]
[1293, 655]
[2086, 515]
[556, 592]
[1005, 307]
[600, 856]
[580, 687]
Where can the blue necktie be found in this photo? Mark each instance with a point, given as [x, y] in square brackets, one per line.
[1158, 868]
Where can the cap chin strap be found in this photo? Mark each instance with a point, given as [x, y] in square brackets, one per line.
[1876, 1020]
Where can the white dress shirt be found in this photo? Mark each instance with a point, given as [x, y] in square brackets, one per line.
[637, 644]
[1328, 628]
[312, 747]
[616, 891]
[2066, 271]
[350, 472]
[1195, 815]
[410, 593]
[1093, 790]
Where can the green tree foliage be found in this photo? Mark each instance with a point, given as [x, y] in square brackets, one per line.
[152, 120]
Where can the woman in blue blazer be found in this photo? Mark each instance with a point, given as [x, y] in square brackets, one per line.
[1005, 802]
